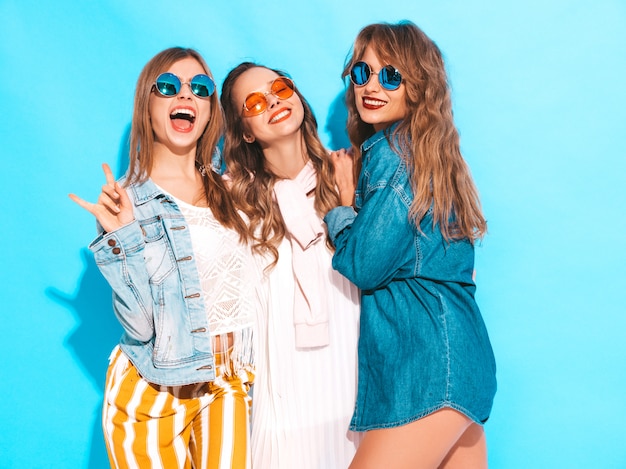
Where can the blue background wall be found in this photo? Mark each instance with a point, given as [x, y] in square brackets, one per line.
[540, 101]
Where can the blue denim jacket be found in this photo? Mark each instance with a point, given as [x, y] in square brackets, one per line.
[423, 344]
[157, 295]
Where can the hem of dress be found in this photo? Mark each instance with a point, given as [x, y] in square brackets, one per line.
[431, 410]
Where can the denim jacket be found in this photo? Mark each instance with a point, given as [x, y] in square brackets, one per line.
[423, 344]
[157, 295]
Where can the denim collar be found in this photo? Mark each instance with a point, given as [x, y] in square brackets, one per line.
[145, 191]
[378, 136]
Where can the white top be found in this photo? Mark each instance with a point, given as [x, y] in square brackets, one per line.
[303, 398]
[224, 268]
[230, 279]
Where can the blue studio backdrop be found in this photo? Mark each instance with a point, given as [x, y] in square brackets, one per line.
[540, 102]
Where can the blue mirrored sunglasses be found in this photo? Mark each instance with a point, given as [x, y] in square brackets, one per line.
[169, 85]
[389, 77]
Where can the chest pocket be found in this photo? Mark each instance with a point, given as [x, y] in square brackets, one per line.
[158, 253]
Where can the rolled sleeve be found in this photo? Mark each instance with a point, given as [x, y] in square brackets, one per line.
[338, 219]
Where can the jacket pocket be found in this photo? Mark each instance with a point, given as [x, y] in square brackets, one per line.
[158, 253]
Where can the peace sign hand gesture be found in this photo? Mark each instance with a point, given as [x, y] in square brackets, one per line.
[113, 208]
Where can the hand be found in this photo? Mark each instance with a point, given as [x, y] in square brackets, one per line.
[343, 163]
[113, 208]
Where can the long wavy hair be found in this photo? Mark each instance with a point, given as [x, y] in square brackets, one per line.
[141, 157]
[427, 138]
[252, 180]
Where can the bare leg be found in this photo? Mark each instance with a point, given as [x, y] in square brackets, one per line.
[422, 444]
[469, 452]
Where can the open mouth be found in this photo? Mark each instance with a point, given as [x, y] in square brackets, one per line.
[183, 119]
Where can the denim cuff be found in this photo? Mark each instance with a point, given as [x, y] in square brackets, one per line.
[112, 246]
[339, 219]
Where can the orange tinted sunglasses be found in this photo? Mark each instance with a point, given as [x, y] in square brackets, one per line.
[256, 103]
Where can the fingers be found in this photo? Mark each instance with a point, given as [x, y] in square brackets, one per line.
[108, 174]
[342, 161]
[108, 200]
[109, 197]
[113, 208]
[344, 178]
[337, 158]
[108, 189]
[83, 203]
[126, 214]
[338, 153]
[111, 204]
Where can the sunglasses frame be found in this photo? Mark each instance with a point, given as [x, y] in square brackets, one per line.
[249, 112]
[190, 83]
[381, 80]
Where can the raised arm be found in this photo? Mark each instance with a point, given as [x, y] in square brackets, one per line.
[119, 254]
[113, 208]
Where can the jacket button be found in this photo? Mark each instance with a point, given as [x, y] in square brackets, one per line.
[111, 242]
[116, 250]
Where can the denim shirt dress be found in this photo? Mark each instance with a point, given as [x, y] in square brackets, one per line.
[423, 344]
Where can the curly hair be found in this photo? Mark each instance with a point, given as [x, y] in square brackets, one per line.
[253, 181]
[427, 139]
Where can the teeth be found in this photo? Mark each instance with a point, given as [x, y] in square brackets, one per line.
[374, 102]
[278, 116]
[188, 112]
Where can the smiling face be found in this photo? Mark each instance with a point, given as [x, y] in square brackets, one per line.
[179, 121]
[282, 119]
[375, 104]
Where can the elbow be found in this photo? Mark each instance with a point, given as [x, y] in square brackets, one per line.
[138, 334]
[360, 276]
[367, 283]
[136, 326]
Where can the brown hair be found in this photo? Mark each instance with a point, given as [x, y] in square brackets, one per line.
[253, 182]
[427, 138]
[141, 157]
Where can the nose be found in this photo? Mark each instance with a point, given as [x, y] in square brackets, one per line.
[373, 83]
[272, 100]
[185, 91]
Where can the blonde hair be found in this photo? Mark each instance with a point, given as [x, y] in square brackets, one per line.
[426, 138]
[141, 155]
[252, 180]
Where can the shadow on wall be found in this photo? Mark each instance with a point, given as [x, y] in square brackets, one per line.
[98, 330]
[92, 341]
[336, 123]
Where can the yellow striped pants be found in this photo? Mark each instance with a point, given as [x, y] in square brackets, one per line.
[199, 426]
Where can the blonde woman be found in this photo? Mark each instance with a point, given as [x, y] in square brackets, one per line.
[175, 252]
[406, 239]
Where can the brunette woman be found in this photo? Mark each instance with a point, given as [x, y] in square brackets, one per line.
[306, 363]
